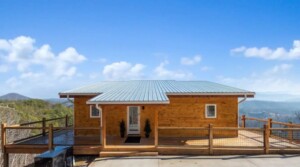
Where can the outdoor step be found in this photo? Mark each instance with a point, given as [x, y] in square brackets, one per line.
[130, 148]
[126, 153]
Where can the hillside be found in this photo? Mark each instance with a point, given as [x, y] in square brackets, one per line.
[13, 97]
[35, 109]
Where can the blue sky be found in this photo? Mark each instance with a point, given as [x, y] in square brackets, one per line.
[51, 46]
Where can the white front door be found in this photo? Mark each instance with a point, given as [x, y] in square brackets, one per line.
[133, 120]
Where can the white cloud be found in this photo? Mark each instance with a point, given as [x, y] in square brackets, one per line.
[270, 54]
[162, 73]
[282, 68]
[3, 68]
[101, 60]
[123, 71]
[206, 68]
[13, 82]
[23, 53]
[190, 61]
[34, 67]
[274, 79]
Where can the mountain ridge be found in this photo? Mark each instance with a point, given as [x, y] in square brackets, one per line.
[14, 97]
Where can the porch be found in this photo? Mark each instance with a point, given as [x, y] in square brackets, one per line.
[204, 141]
[245, 139]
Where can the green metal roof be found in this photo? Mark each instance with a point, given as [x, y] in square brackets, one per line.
[150, 91]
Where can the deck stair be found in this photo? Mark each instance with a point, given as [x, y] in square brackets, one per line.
[127, 153]
[113, 151]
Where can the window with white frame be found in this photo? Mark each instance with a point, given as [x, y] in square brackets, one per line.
[94, 112]
[210, 111]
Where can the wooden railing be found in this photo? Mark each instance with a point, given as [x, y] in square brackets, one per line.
[270, 124]
[268, 121]
[51, 129]
[211, 130]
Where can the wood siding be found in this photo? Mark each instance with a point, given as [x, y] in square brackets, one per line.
[82, 116]
[183, 111]
[189, 111]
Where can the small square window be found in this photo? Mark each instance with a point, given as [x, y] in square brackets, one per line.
[94, 112]
[211, 111]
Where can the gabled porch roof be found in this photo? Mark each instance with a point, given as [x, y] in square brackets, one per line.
[151, 91]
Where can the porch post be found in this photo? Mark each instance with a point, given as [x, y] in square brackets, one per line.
[210, 139]
[103, 128]
[243, 121]
[3, 143]
[156, 129]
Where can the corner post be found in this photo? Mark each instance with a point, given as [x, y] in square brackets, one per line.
[210, 142]
[3, 136]
[156, 129]
[266, 139]
[50, 138]
[44, 126]
[66, 121]
[270, 125]
[243, 121]
[290, 133]
[3, 143]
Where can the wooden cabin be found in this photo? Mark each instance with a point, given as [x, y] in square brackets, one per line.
[165, 103]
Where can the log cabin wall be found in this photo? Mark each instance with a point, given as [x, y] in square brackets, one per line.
[189, 111]
[183, 111]
[82, 116]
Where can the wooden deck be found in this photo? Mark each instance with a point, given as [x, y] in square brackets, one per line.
[91, 144]
[63, 137]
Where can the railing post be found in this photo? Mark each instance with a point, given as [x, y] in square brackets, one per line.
[290, 133]
[266, 139]
[66, 121]
[270, 125]
[103, 129]
[44, 126]
[243, 121]
[3, 143]
[210, 142]
[50, 138]
[3, 137]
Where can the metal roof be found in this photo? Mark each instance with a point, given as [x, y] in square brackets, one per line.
[150, 91]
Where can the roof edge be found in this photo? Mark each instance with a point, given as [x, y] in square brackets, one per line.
[239, 94]
[65, 95]
[128, 102]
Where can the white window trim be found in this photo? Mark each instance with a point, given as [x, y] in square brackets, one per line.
[206, 105]
[91, 116]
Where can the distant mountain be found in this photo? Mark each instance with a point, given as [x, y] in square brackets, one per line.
[283, 107]
[278, 97]
[280, 111]
[14, 97]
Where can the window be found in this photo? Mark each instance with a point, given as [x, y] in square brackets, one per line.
[94, 112]
[211, 111]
